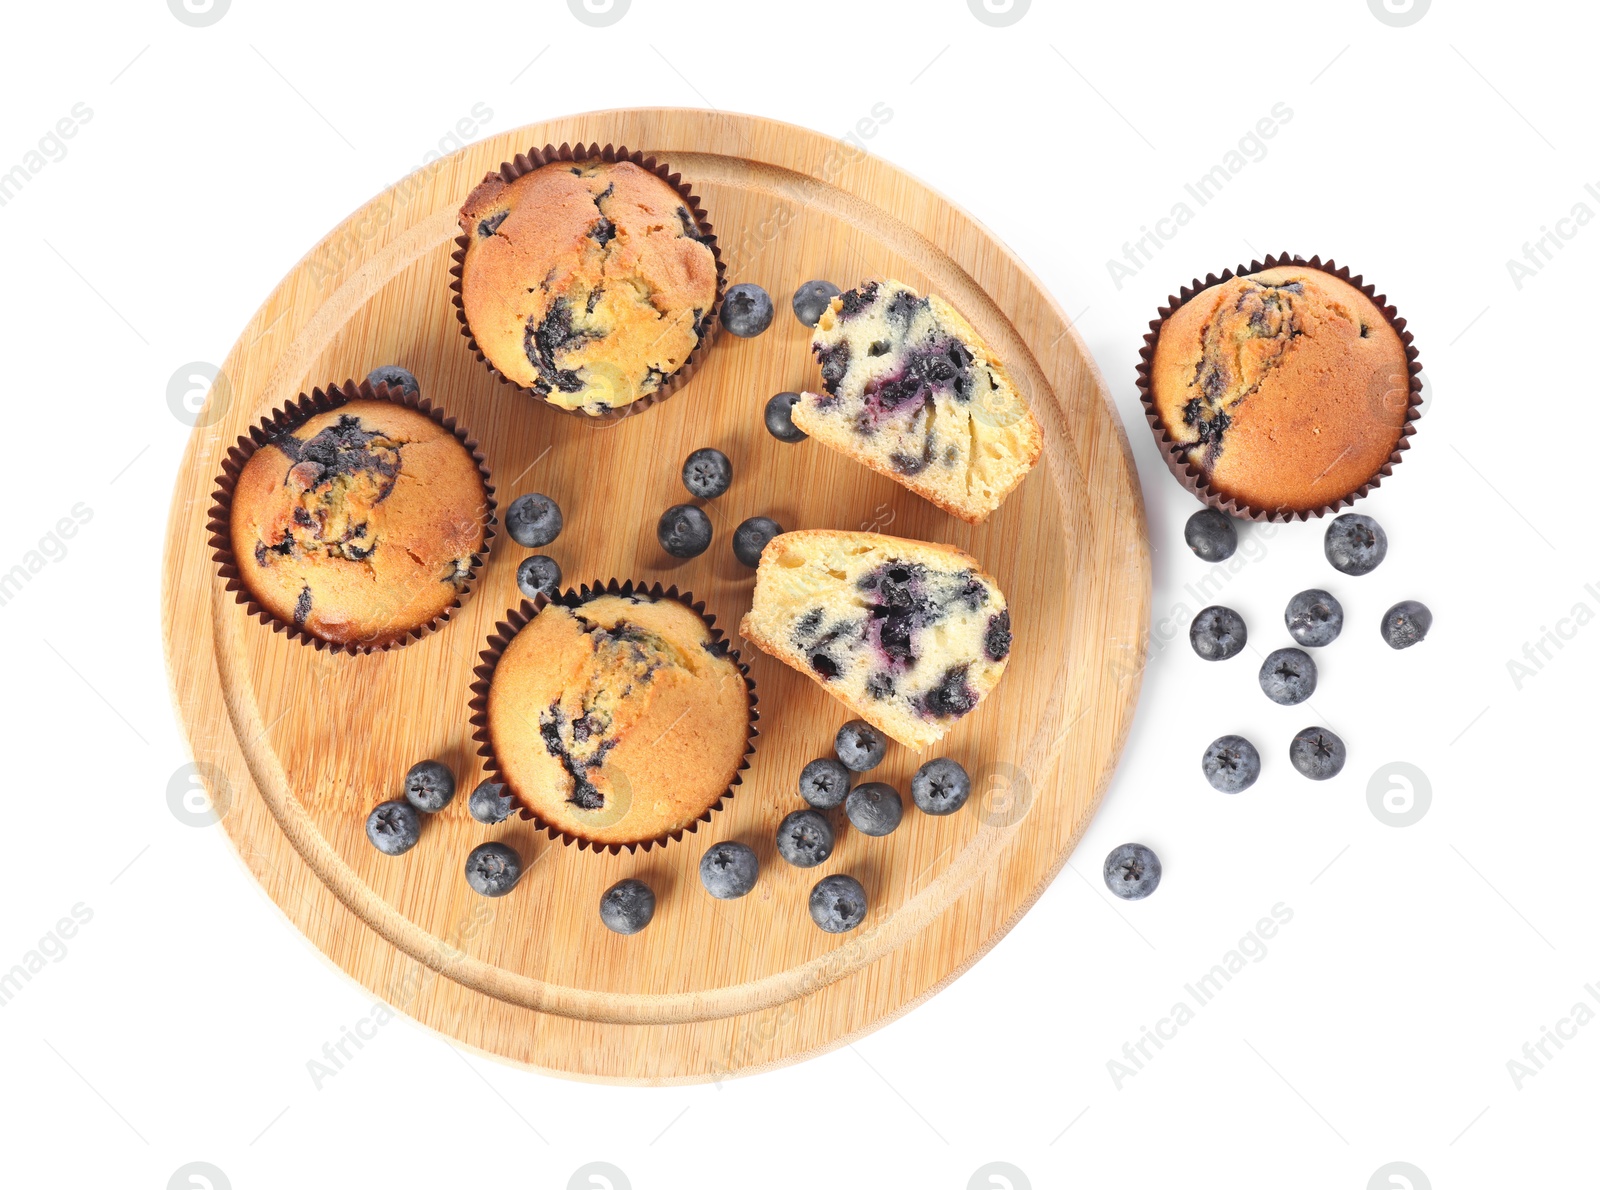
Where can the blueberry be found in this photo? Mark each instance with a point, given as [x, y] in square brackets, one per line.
[747, 310]
[940, 787]
[684, 531]
[874, 808]
[1314, 618]
[860, 746]
[1317, 753]
[751, 537]
[627, 906]
[780, 418]
[533, 520]
[1406, 623]
[430, 786]
[811, 299]
[707, 473]
[729, 870]
[394, 827]
[1132, 871]
[1288, 676]
[493, 869]
[1355, 544]
[539, 574]
[1231, 764]
[838, 904]
[824, 782]
[805, 838]
[491, 803]
[397, 378]
[1218, 633]
[1211, 535]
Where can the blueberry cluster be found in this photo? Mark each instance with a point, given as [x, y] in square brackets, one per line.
[534, 520]
[394, 827]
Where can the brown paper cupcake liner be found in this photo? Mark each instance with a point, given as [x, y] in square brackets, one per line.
[296, 413]
[527, 162]
[517, 618]
[1192, 478]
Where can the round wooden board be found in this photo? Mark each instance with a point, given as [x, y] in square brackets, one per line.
[296, 745]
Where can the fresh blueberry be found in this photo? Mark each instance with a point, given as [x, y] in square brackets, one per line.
[1288, 676]
[824, 782]
[533, 520]
[539, 574]
[430, 786]
[1314, 618]
[874, 808]
[1317, 753]
[729, 870]
[838, 904]
[1355, 544]
[1231, 764]
[627, 906]
[1132, 871]
[394, 827]
[1211, 535]
[396, 377]
[1406, 623]
[780, 418]
[493, 869]
[751, 537]
[707, 473]
[747, 310]
[860, 746]
[684, 531]
[805, 838]
[941, 786]
[491, 803]
[1218, 633]
[811, 299]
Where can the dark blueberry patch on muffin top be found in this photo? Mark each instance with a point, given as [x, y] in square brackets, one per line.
[344, 471]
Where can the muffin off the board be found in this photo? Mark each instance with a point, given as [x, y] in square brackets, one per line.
[911, 636]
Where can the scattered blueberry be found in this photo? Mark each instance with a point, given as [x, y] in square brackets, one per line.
[430, 786]
[780, 418]
[1211, 535]
[1355, 544]
[627, 906]
[838, 904]
[1231, 764]
[394, 827]
[539, 574]
[396, 377]
[811, 299]
[860, 746]
[493, 869]
[941, 786]
[533, 520]
[874, 808]
[1317, 753]
[1406, 623]
[1217, 633]
[805, 838]
[1314, 618]
[751, 537]
[707, 473]
[746, 310]
[491, 803]
[824, 782]
[1288, 676]
[729, 870]
[684, 531]
[1132, 871]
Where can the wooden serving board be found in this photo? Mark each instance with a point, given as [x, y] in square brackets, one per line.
[296, 745]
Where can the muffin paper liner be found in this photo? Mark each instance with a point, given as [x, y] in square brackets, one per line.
[517, 618]
[1191, 477]
[293, 415]
[533, 159]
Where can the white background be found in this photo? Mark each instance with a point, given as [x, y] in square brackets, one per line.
[1377, 1028]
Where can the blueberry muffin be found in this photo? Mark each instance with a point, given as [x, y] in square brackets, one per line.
[908, 635]
[620, 720]
[589, 283]
[1286, 389]
[909, 389]
[361, 524]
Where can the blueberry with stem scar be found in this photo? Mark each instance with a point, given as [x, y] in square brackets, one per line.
[1288, 676]
[747, 310]
[1314, 618]
[1317, 753]
[824, 783]
[533, 520]
[429, 786]
[1355, 544]
[805, 838]
[539, 574]
[493, 869]
[1218, 633]
[394, 827]
[1231, 764]
[838, 904]
[940, 787]
[684, 531]
[729, 870]
[860, 746]
[1132, 871]
[752, 536]
[707, 473]
[1406, 623]
[811, 299]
